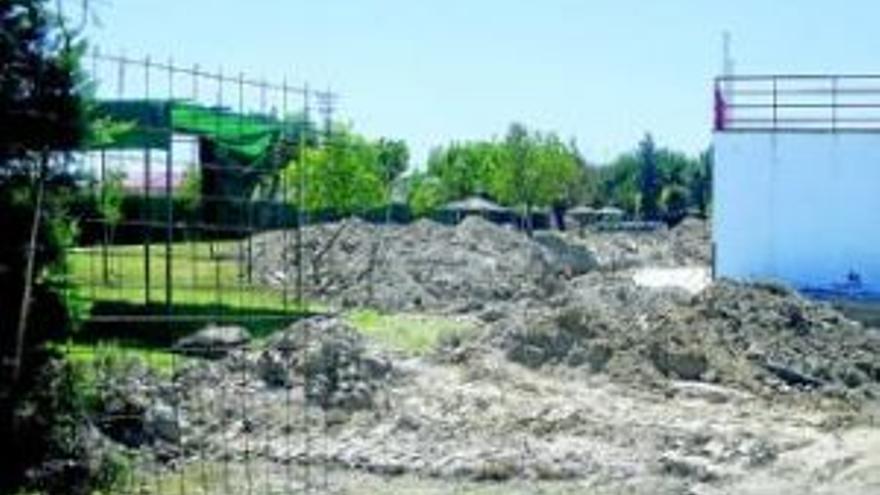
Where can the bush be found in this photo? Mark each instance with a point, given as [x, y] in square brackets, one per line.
[56, 445]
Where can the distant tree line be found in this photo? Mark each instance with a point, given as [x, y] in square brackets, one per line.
[525, 170]
[532, 173]
[528, 170]
[655, 183]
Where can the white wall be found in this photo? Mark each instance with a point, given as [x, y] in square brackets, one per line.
[801, 207]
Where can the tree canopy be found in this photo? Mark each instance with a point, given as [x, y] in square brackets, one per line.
[524, 170]
[657, 183]
[349, 175]
[528, 169]
[43, 117]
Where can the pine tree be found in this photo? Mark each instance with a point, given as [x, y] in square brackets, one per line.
[649, 179]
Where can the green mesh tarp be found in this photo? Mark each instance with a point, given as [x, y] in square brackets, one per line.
[149, 124]
[132, 124]
[245, 137]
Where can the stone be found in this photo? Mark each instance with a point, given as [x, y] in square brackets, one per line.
[213, 341]
[273, 370]
[162, 422]
[684, 364]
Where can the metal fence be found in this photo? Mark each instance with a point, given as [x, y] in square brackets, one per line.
[188, 168]
[802, 102]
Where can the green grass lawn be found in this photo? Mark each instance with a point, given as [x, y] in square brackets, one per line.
[202, 273]
[123, 307]
[124, 311]
[92, 356]
[408, 332]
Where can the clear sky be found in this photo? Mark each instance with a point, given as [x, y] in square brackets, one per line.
[601, 71]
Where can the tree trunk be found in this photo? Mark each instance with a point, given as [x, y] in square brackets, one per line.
[29, 274]
[529, 226]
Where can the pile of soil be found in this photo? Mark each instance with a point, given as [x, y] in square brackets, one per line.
[760, 338]
[688, 243]
[424, 265]
[337, 367]
[692, 242]
[486, 418]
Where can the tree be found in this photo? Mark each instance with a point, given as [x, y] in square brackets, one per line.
[618, 183]
[343, 178]
[393, 158]
[584, 189]
[536, 170]
[425, 194]
[110, 199]
[700, 183]
[650, 186]
[43, 117]
[675, 200]
[463, 169]
[190, 193]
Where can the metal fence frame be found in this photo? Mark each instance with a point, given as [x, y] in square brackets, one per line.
[123, 78]
[797, 103]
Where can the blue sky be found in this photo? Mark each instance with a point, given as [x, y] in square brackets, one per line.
[601, 71]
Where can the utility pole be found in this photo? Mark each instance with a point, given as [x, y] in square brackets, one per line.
[728, 66]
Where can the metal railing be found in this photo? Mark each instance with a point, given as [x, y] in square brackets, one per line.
[797, 102]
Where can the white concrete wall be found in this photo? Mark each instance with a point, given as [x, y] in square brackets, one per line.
[800, 207]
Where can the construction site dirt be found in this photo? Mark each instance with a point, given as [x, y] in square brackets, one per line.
[567, 376]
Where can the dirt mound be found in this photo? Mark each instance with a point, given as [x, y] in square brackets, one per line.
[423, 265]
[688, 243]
[758, 338]
[484, 419]
[692, 241]
[332, 360]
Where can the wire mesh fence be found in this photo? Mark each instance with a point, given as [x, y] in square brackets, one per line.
[187, 166]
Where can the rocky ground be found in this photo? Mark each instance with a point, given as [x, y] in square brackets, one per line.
[688, 243]
[421, 266]
[578, 381]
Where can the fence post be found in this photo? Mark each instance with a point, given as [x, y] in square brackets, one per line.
[147, 210]
[834, 104]
[775, 104]
[169, 199]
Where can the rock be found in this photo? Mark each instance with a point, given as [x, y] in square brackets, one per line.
[332, 358]
[687, 467]
[162, 422]
[598, 356]
[374, 366]
[556, 470]
[566, 258]
[496, 470]
[493, 314]
[684, 364]
[213, 341]
[272, 369]
[715, 394]
[791, 376]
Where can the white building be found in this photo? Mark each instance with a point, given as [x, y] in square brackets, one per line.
[797, 181]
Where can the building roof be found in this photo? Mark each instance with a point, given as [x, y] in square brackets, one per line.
[582, 210]
[610, 210]
[475, 203]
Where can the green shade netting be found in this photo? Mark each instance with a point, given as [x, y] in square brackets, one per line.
[149, 124]
[135, 125]
[243, 136]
